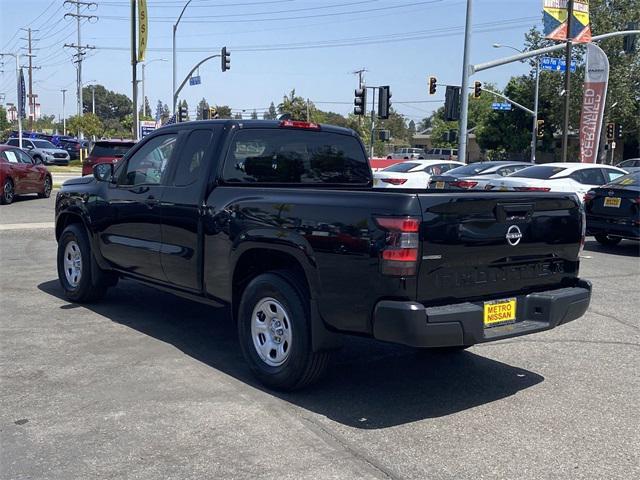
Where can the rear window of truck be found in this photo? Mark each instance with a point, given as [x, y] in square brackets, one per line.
[104, 149]
[296, 157]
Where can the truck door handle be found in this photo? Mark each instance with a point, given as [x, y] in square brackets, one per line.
[151, 201]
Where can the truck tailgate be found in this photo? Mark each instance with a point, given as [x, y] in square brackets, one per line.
[494, 245]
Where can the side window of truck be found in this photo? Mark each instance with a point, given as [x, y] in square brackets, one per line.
[148, 165]
[295, 156]
[191, 165]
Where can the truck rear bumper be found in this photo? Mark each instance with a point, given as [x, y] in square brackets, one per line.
[413, 324]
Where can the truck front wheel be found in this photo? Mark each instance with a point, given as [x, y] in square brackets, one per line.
[275, 332]
[75, 265]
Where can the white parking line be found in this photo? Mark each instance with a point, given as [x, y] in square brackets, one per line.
[26, 226]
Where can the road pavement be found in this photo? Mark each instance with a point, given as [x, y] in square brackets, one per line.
[145, 385]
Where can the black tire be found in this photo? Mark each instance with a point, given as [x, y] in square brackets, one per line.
[86, 290]
[607, 240]
[302, 366]
[46, 189]
[8, 192]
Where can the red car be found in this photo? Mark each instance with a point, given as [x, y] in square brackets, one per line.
[20, 174]
[105, 151]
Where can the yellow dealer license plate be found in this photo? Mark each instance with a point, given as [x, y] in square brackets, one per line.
[612, 202]
[439, 184]
[499, 312]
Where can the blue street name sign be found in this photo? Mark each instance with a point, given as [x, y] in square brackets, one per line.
[556, 64]
[194, 80]
[500, 106]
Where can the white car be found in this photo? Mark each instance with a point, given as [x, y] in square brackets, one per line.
[412, 173]
[574, 177]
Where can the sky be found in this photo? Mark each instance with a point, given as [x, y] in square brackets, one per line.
[313, 46]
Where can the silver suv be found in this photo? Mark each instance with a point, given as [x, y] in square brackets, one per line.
[442, 154]
[42, 150]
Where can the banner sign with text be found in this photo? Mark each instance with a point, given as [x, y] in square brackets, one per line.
[143, 28]
[555, 20]
[22, 97]
[595, 94]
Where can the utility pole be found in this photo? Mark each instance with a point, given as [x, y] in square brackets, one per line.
[30, 96]
[134, 69]
[80, 49]
[567, 83]
[466, 72]
[64, 117]
[93, 99]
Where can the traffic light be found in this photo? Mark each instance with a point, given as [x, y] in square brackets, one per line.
[452, 104]
[183, 114]
[433, 83]
[205, 114]
[477, 89]
[225, 59]
[610, 131]
[384, 135]
[540, 129]
[618, 131]
[360, 101]
[384, 102]
[213, 112]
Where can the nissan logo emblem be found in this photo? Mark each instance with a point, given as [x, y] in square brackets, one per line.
[514, 235]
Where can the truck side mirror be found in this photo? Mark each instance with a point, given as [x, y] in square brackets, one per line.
[103, 172]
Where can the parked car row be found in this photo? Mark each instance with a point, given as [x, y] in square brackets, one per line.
[42, 150]
[610, 195]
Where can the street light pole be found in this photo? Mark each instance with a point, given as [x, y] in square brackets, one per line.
[534, 129]
[567, 83]
[93, 99]
[64, 117]
[18, 92]
[144, 101]
[175, 27]
[466, 72]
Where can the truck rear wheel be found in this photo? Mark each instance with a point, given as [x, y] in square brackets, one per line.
[75, 264]
[275, 333]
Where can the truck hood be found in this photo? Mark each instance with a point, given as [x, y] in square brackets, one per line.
[79, 180]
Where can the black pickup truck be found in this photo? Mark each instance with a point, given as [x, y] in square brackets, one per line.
[279, 220]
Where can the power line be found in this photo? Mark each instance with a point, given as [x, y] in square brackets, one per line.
[80, 49]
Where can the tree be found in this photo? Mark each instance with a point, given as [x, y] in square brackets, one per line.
[272, 112]
[202, 106]
[109, 104]
[296, 107]
[88, 123]
[145, 110]
[166, 113]
[238, 116]
[254, 115]
[4, 122]
[158, 110]
[224, 111]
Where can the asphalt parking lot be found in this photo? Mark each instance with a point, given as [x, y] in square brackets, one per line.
[146, 385]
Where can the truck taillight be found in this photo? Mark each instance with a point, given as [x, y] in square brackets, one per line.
[466, 184]
[399, 257]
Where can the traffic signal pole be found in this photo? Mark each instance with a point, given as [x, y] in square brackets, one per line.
[534, 131]
[466, 73]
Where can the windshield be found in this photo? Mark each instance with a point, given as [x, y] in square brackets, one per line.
[43, 144]
[401, 167]
[539, 172]
[472, 169]
[110, 149]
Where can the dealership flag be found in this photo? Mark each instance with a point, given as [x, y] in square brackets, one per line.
[143, 28]
[555, 20]
[595, 93]
[22, 96]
